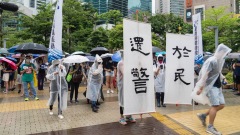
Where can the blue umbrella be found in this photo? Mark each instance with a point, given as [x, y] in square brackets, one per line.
[91, 58]
[12, 59]
[116, 56]
[12, 49]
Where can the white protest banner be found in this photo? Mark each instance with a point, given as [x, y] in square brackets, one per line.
[179, 69]
[138, 86]
[55, 45]
[197, 32]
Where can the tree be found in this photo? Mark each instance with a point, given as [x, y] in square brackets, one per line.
[10, 29]
[168, 23]
[97, 38]
[226, 24]
[39, 27]
[115, 40]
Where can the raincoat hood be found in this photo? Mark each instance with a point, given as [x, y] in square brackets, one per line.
[55, 62]
[98, 59]
[222, 51]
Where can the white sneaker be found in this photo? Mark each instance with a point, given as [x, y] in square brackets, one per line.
[112, 91]
[51, 112]
[60, 116]
[108, 91]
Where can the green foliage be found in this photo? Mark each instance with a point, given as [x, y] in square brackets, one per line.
[226, 24]
[229, 77]
[97, 38]
[115, 40]
[168, 23]
[39, 27]
[113, 16]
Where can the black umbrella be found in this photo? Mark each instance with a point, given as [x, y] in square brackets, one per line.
[99, 50]
[156, 49]
[32, 48]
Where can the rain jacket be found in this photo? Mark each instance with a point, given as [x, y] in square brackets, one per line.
[209, 73]
[159, 79]
[120, 82]
[55, 85]
[95, 80]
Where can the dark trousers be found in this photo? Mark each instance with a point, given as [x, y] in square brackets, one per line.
[59, 109]
[40, 81]
[121, 110]
[160, 97]
[74, 87]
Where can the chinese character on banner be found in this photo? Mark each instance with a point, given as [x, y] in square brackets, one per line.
[179, 79]
[138, 78]
[140, 82]
[136, 44]
[178, 75]
[178, 50]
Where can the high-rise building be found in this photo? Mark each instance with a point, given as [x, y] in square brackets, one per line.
[103, 6]
[165, 6]
[156, 6]
[146, 5]
[177, 7]
[121, 5]
[199, 6]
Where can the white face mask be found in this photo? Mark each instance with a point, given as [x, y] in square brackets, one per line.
[28, 60]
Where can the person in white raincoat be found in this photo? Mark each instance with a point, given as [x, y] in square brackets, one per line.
[120, 93]
[159, 80]
[95, 80]
[58, 88]
[208, 89]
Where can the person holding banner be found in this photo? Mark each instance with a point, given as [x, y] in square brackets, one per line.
[58, 87]
[95, 80]
[159, 81]
[209, 86]
[120, 93]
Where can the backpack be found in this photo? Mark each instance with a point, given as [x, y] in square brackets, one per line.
[77, 76]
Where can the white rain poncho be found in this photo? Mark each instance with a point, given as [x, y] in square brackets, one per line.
[120, 83]
[209, 73]
[159, 79]
[95, 80]
[55, 84]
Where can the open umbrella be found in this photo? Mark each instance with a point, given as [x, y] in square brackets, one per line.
[99, 50]
[116, 56]
[156, 49]
[233, 55]
[10, 63]
[3, 51]
[12, 59]
[106, 55]
[78, 53]
[75, 59]
[33, 48]
[91, 58]
[12, 49]
[16, 55]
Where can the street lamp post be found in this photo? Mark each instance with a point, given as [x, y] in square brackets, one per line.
[4, 42]
[216, 34]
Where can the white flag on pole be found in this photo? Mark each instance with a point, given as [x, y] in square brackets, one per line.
[138, 68]
[179, 69]
[197, 32]
[55, 45]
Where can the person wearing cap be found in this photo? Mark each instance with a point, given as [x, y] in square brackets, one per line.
[27, 70]
[159, 80]
[58, 87]
[95, 80]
